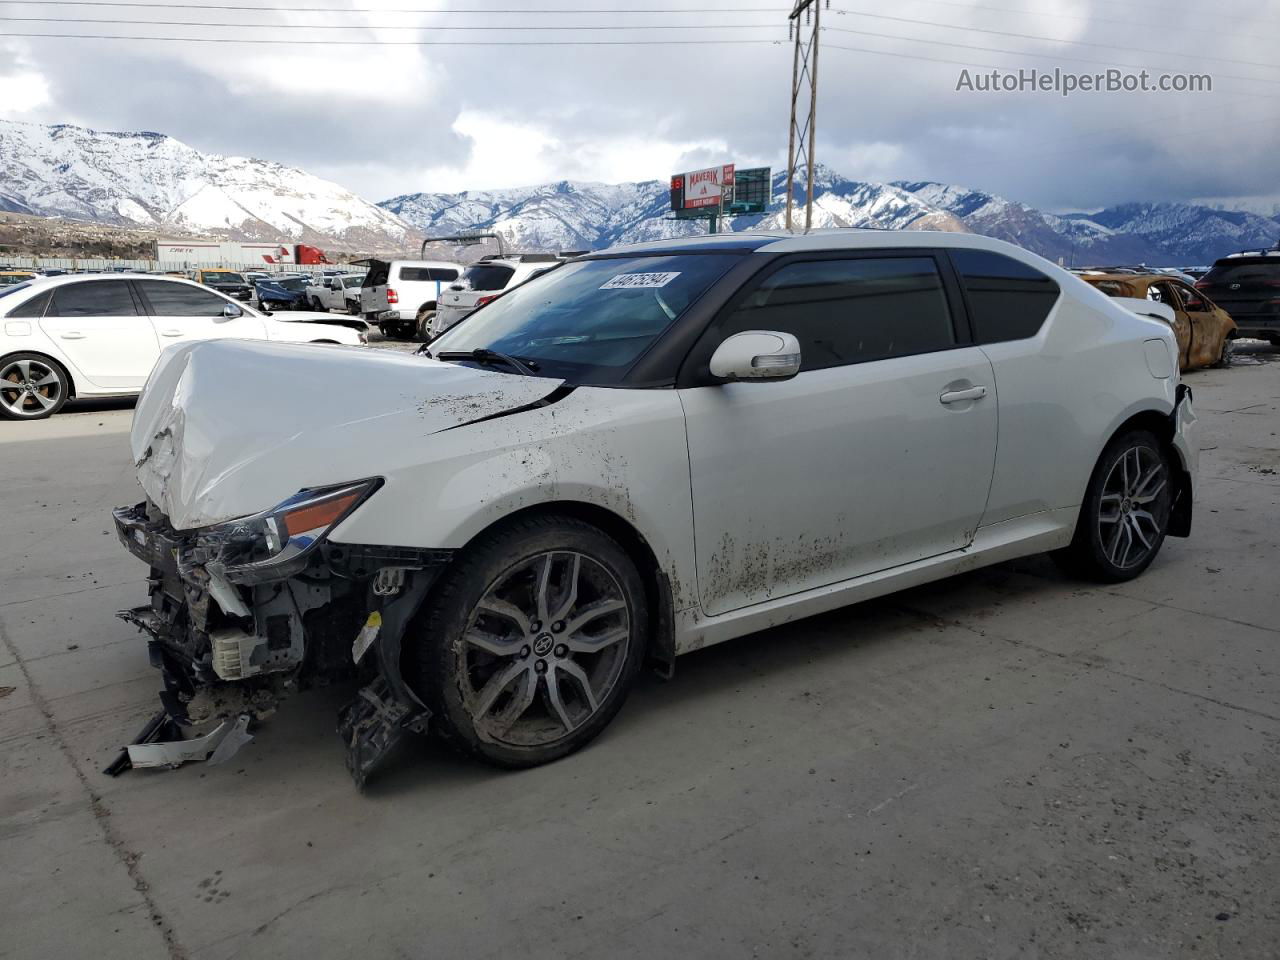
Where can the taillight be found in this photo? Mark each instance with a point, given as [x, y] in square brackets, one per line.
[392, 296]
[483, 300]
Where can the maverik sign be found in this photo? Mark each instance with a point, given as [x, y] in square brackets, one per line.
[702, 188]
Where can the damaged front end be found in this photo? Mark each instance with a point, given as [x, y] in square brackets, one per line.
[246, 612]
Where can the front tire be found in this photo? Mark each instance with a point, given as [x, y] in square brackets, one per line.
[531, 641]
[32, 387]
[1125, 515]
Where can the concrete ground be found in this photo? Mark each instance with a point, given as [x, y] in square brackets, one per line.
[1005, 764]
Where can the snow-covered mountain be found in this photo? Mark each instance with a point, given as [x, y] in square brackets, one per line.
[572, 215]
[148, 179]
[1161, 233]
[151, 180]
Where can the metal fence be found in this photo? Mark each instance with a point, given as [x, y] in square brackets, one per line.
[111, 265]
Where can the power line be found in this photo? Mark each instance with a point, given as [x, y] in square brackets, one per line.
[490, 11]
[401, 43]
[1090, 18]
[1032, 53]
[1030, 36]
[374, 26]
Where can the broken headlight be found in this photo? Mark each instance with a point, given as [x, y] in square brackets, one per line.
[278, 543]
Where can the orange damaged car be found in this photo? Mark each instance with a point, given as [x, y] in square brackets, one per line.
[1201, 326]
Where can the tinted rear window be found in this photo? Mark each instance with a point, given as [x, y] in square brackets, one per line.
[1244, 272]
[95, 298]
[379, 270]
[34, 307]
[1008, 300]
[487, 276]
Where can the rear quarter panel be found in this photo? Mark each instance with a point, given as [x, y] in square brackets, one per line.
[1064, 393]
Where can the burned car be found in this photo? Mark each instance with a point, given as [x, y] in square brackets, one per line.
[1203, 329]
[647, 451]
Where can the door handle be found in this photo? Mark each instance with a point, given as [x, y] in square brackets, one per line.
[72, 335]
[170, 333]
[959, 396]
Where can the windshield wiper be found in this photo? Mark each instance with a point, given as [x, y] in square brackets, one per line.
[484, 355]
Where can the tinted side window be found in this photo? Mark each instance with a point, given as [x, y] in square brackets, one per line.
[852, 311]
[444, 276]
[1008, 300]
[34, 307]
[180, 300]
[94, 298]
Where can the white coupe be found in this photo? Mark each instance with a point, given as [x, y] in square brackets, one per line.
[97, 335]
[642, 452]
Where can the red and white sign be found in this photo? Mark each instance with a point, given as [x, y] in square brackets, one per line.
[704, 188]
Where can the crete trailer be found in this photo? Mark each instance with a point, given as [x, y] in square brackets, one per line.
[192, 253]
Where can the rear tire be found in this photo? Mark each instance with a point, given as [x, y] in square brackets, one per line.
[1125, 514]
[32, 387]
[530, 642]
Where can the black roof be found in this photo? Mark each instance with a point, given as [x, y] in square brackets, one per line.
[703, 243]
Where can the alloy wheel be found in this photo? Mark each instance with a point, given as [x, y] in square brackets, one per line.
[1134, 507]
[29, 388]
[544, 648]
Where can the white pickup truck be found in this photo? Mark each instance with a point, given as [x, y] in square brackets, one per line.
[400, 296]
[336, 293]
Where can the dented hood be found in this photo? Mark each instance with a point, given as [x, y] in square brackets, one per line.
[227, 428]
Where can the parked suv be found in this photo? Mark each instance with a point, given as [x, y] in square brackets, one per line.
[1247, 286]
[400, 296]
[226, 282]
[486, 280]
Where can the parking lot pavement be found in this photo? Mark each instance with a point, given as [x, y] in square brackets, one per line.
[1005, 764]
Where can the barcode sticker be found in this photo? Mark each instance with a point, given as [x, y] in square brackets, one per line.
[625, 281]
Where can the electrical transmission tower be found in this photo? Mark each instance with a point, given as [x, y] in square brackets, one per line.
[804, 115]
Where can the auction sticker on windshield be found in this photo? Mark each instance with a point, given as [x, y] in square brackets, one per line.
[625, 281]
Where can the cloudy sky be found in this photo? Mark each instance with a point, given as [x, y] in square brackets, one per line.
[383, 117]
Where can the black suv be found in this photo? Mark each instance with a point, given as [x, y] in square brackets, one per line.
[226, 282]
[1247, 286]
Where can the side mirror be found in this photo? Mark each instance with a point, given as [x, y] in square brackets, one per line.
[757, 355]
[231, 311]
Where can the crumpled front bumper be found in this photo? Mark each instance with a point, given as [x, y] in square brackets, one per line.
[230, 652]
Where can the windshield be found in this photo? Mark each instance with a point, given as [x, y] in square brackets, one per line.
[6, 289]
[223, 277]
[352, 281]
[296, 284]
[590, 320]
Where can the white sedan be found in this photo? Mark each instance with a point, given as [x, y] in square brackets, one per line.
[100, 335]
[646, 451]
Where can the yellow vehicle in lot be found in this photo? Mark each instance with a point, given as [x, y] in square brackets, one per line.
[1200, 325]
[9, 277]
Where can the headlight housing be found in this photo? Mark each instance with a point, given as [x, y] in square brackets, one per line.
[278, 543]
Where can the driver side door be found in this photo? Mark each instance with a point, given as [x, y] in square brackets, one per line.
[184, 311]
[878, 453]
